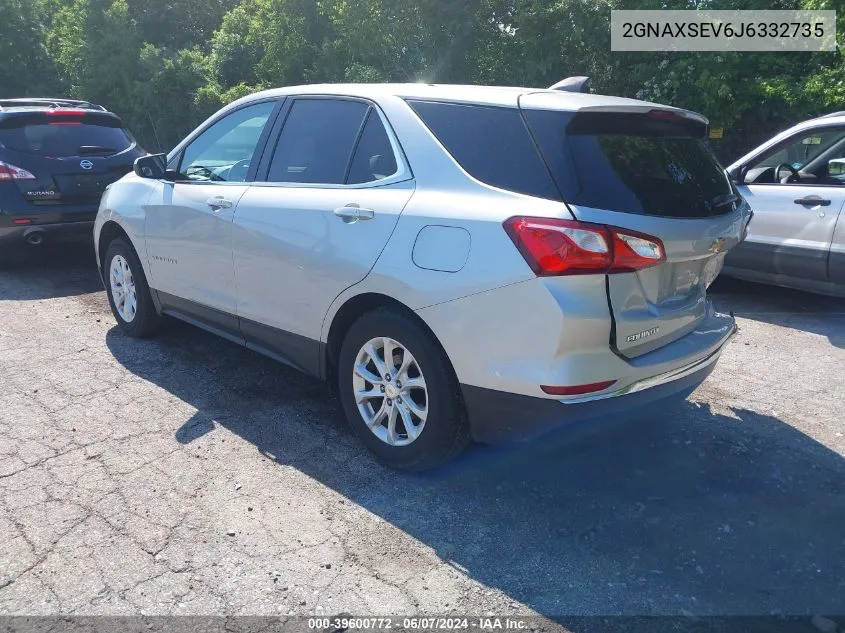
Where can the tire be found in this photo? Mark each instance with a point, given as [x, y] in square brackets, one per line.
[144, 321]
[443, 433]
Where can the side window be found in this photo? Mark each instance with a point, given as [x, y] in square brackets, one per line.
[803, 149]
[224, 152]
[317, 140]
[491, 143]
[374, 158]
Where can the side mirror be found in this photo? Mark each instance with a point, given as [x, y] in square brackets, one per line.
[836, 167]
[153, 166]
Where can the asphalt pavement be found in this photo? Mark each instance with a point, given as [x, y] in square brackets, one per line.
[186, 475]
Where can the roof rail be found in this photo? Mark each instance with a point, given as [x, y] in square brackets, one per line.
[572, 84]
[49, 102]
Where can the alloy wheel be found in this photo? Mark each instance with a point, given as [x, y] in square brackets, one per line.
[123, 291]
[390, 391]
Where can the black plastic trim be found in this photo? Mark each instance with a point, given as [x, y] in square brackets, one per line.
[294, 350]
[210, 319]
[300, 352]
[501, 417]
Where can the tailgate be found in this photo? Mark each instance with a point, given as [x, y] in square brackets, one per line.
[657, 305]
[68, 156]
[645, 170]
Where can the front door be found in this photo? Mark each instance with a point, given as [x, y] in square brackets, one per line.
[189, 221]
[331, 197]
[796, 193]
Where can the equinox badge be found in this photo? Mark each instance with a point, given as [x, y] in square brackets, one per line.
[641, 335]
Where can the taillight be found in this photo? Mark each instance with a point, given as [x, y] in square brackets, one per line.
[568, 247]
[665, 115]
[10, 172]
[65, 112]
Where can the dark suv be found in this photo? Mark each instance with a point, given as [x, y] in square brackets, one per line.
[57, 156]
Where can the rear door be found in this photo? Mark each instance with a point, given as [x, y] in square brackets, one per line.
[73, 155]
[647, 171]
[334, 185]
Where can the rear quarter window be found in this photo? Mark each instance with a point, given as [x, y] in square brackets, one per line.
[491, 143]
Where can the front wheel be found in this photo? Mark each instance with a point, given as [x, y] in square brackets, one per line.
[399, 392]
[128, 292]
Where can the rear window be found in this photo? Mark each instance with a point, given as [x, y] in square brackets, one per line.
[632, 163]
[491, 143]
[61, 139]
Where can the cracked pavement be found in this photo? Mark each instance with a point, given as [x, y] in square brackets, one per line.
[185, 475]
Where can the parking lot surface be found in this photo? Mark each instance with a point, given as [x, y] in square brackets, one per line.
[186, 475]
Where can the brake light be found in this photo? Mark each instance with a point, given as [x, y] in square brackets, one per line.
[577, 390]
[665, 115]
[65, 112]
[569, 247]
[11, 172]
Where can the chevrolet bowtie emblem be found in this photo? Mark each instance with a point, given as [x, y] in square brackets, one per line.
[718, 245]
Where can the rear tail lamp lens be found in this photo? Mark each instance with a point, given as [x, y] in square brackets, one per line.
[11, 172]
[569, 247]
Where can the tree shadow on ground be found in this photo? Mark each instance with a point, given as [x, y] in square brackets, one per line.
[692, 511]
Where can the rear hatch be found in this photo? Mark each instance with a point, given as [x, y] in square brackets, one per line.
[65, 156]
[645, 169]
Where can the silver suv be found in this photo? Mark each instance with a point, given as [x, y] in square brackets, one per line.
[461, 261]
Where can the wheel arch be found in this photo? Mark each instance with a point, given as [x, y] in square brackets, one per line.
[349, 312]
[110, 231]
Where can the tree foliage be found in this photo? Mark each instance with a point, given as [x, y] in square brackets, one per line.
[165, 65]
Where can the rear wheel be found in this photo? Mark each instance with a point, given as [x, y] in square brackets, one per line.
[129, 295]
[399, 392]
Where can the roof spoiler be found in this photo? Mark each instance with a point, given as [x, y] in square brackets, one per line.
[572, 84]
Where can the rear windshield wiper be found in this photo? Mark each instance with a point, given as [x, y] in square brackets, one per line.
[720, 201]
[96, 149]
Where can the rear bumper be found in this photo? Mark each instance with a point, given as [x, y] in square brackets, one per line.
[46, 233]
[497, 416]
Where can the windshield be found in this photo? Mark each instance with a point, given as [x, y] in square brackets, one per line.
[632, 163]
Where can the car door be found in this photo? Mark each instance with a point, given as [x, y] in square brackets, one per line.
[796, 203]
[189, 221]
[334, 185]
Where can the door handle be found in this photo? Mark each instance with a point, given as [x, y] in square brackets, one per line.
[219, 202]
[814, 201]
[351, 213]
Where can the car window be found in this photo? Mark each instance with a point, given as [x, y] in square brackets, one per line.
[62, 139]
[317, 140]
[492, 144]
[801, 150]
[224, 152]
[632, 163]
[374, 158]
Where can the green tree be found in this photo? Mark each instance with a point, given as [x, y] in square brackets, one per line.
[26, 69]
